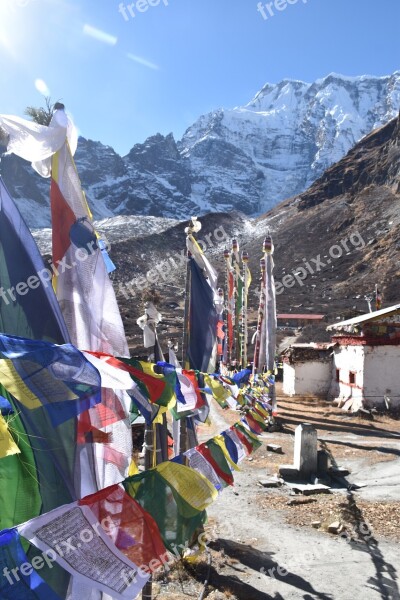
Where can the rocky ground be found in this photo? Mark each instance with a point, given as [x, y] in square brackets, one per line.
[264, 545]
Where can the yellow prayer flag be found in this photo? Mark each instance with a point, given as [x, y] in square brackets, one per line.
[7, 445]
[262, 410]
[219, 439]
[218, 391]
[133, 470]
[257, 417]
[193, 487]
[13, 383]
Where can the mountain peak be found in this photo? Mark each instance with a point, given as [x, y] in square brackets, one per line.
[247, 158]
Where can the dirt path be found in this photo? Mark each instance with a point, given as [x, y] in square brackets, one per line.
[273, 559]
[287, 341]
[261, 548]
[312, 565]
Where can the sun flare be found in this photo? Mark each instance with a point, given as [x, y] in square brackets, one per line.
[10, 26]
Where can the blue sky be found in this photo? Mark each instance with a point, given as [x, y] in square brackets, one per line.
[161, 69]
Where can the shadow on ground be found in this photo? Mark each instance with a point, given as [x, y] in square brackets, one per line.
[385, 579]
[382, 449]
[260, 562]
[291, 418]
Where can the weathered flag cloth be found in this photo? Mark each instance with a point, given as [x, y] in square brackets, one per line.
[130, 528]
[73, 537]
[176, 497]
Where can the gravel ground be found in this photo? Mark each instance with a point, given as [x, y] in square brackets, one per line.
[262, 548]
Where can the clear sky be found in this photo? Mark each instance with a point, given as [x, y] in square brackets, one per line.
[159, 70]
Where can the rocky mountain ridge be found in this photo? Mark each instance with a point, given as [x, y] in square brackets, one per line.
[248, 158]
[333, 243]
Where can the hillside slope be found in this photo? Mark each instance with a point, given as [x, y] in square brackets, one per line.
[345, 229]
[246, 158]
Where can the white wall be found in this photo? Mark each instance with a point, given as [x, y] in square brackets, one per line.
[346, 359]
[382, 374]
[288, 379]
[311, 378]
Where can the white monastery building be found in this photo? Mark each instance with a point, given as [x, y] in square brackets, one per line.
[366, 360]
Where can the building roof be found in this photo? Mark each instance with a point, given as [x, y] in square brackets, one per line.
[315, 345]
[314, 351]
[372, 316]
[296, 316]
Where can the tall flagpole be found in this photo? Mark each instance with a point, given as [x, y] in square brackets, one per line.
[260, 321]
[228, 341]
[150, 449]
[270, 320]
[245, 261]
[237, 314]
[221, 338]
[186, 314]
[193, 227]
[183, 439]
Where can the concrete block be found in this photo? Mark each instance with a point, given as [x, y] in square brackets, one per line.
[270, 483]
[289, 472]
[309, 489]
[274, 448]
[306, 449]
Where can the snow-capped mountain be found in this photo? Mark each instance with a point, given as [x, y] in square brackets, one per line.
[246, 158]
[276, 146]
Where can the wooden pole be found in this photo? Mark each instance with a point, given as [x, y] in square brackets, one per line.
[270, 312]
[260, 320]
[186, 317]
[151, 456]
[149, 437]
[236, 316]
[245, 261]
[147, 591]
[185, 344]
[221, 319]
[227, 256]
[149, 440]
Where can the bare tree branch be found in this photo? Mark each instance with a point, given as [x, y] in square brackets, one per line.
[42, 115]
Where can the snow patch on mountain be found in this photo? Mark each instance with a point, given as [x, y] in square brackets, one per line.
[247, 158]
[113, 229]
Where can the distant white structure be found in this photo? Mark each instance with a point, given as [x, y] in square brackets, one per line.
[307, 369]
[366, 360]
